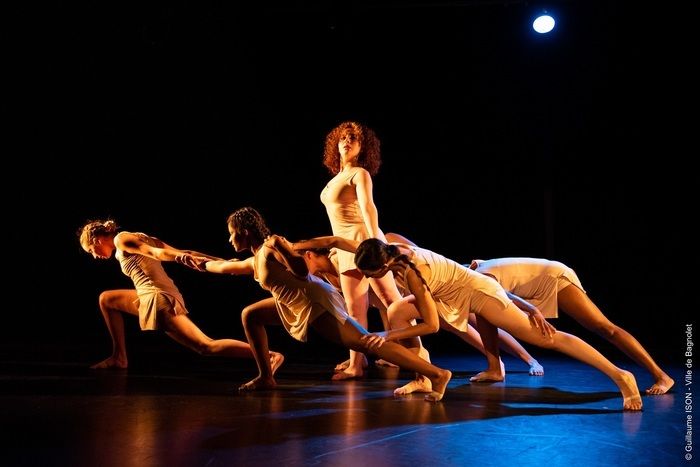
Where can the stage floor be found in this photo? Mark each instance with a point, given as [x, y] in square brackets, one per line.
[187, 413]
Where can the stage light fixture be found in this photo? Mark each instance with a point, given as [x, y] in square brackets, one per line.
[544, 23]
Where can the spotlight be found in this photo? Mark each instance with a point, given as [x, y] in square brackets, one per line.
[543, 23]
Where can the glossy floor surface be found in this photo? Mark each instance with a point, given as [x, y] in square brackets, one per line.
[188, 414]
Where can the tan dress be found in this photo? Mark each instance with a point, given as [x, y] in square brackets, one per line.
[344, 213]
[536, 280]
[457, 290]
[156, 291]
[299, 300]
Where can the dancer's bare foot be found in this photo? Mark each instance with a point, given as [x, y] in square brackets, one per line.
[490, 375]
[439, 386]
[258, 384]
[347, 374]
[661, 386]
[111, 363]
[487, 377]
[535, 368]
[276, 360]
[344, 365]
[382, 362]
[420, 384]
[631, 400]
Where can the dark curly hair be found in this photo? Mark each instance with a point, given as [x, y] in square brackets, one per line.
[370, 156]
[249, 219]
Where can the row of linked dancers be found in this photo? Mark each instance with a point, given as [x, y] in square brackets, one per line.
[330, 282]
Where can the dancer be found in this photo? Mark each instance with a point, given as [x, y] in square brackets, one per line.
[550, 285]
[352, 155]
[472, 337]
[155, 300]
[441, 288]
[320, 262]
[299, 300]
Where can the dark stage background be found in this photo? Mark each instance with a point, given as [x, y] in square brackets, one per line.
[495, 143]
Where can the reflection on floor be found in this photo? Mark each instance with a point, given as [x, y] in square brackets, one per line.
[57, 414]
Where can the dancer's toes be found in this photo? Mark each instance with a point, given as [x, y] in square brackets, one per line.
[342, 366]
[347, 374]
[346, 364]
[661, 386]
[434, 396]
[632, 403]
[487, 377]
[417, 385]
[535, 368]
[439, 386]
[382, 362]
[110, 363]
[257, 384]
[631, 400]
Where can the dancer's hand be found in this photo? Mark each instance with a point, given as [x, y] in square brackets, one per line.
[538, 320]
[198, 263]
[374, 340]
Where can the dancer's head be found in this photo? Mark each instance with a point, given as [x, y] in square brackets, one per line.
[96, 238]
[352, 140]
[318, 260]
[373, 257]
[247, 228]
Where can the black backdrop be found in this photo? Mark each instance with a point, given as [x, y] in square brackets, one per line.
[495, 143]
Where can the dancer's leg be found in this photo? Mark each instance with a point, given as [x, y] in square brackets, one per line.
[255, 317]
[113, 305]
[181, 329]
[355, 289]
[349, 334]
[516, 322]
[574, 302]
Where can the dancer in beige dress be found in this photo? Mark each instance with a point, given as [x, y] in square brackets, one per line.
[352, 155]
[444, 293]
[155, 300]
[506, 342]
[299, 300]
[321, 262]
[550, 285]
[458, 291]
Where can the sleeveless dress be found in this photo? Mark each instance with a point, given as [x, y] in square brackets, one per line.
[334, 281]
[299, 300]
[536, 280]
[457, 290]
[156, 291]
[340, 199]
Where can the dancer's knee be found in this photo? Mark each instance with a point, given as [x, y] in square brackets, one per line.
[107, 301]
[550, 343]
[605, 329]
[248, 316]
[399, 314]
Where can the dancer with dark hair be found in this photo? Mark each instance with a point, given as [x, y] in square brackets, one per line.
[321, 262]
[299, 300]
[449, 292]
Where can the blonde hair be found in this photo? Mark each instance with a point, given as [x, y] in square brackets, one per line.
[89, 232]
